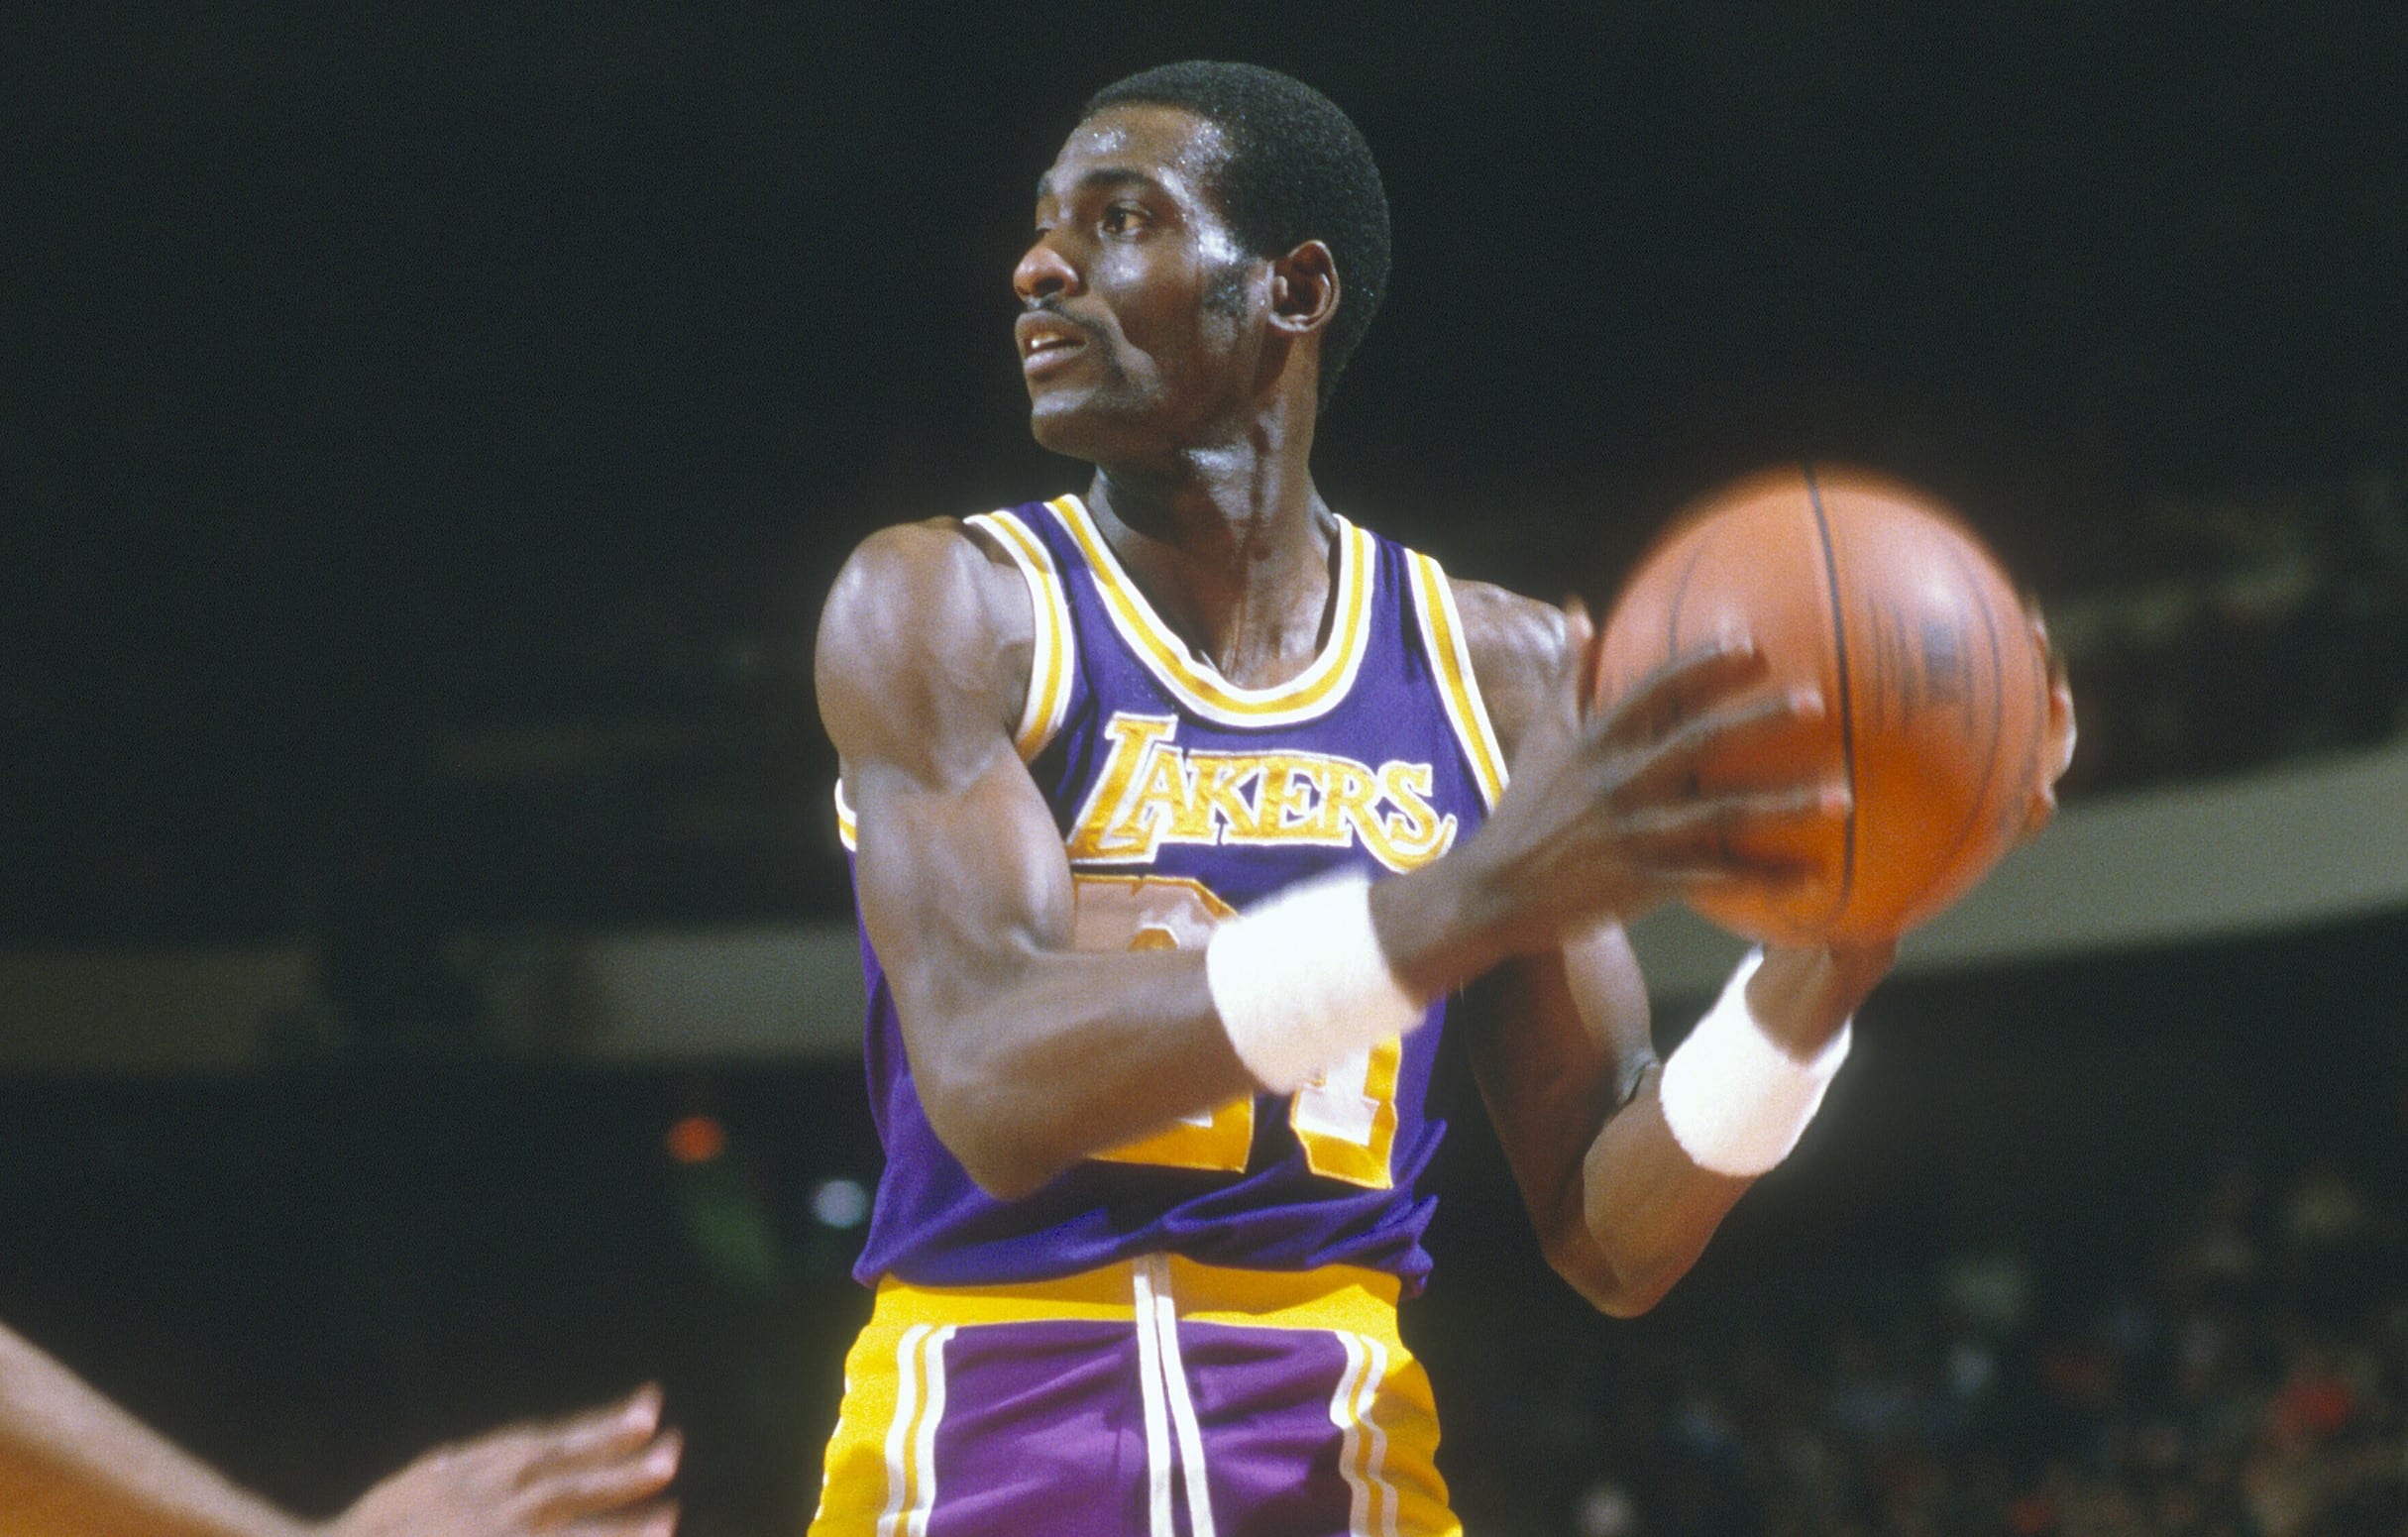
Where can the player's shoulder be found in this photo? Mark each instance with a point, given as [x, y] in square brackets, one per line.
[928, 614]
[928, 550]
[935, 578]
[1516, 646]
[1506, 628]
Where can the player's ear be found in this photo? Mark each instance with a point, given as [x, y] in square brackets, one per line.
[1304, 288]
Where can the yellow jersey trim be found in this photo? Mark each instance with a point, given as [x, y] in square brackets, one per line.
[1194, 683]
[1053, 648]
[1442, 633]
[1052, 651]
[1334, 1296]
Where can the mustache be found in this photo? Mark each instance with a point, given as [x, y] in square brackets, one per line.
[1049, 304]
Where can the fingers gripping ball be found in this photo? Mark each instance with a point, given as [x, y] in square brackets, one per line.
[1935, 693]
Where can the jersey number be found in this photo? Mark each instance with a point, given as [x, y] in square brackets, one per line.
[1345, 1123]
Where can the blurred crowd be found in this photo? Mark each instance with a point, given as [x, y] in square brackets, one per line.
[2254, 1384]
[2286, 610]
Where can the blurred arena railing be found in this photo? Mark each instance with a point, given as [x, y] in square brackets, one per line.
[2253, 853]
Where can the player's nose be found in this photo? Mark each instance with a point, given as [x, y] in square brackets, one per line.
[1044, 272]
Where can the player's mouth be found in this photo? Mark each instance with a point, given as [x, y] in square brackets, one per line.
[1047, 341]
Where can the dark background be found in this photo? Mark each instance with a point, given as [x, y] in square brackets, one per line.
[430, 430]
[427, 433]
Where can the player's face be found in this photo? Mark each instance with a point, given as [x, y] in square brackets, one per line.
[1142, 318]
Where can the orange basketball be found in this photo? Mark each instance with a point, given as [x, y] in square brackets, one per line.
[1935, 692]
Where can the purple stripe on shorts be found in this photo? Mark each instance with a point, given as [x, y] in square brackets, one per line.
[1270, 1453]
[1044, 1430]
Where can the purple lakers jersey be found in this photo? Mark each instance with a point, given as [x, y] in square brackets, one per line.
[1183, 799]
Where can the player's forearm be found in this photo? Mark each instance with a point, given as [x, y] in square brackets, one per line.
[1621, 1211]
[1649, 1200]
[1064, 1055]
[1447, 924]
[1030, 1059]
[73, 1463]
[1803, 996]
[1640, 1211]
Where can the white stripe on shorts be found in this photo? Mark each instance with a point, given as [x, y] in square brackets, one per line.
[911, 1441]
[1360, 1438]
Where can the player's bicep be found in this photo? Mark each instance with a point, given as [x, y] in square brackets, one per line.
[957, 880]
[910, 665]
[1517, 646]
[957, 863]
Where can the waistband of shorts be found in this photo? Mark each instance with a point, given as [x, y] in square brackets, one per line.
[1333, 1296]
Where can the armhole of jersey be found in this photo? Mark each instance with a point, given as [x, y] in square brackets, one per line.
[849, 831]
[1450, 651]
[1052, 652]
[1053, 649]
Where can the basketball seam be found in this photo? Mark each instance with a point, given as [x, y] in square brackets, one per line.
[1998, 721]
[1847, 714]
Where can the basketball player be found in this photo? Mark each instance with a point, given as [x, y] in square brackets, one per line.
[74, 1465]
[1178, 810]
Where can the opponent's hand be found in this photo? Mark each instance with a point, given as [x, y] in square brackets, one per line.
[1604, 816]
[599, 1474]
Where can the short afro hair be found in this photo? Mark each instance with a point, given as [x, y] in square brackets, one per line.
[1298, 170]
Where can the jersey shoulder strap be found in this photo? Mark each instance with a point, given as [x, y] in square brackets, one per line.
[1450, 653]
[1053, 651]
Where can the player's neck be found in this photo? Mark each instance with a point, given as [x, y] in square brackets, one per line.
[1231, 545]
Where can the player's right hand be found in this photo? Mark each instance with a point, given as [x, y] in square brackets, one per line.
[1603, 816]
[599, 1474]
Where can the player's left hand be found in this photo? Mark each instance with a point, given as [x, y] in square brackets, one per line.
[598, 1474]
[1802, 994]
[2057, 748]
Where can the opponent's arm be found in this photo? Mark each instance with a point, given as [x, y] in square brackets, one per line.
[1563, 1056]
[73, 1464]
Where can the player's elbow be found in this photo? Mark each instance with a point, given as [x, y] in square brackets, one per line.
[1600, 1288]
[1622, 1300]
[1003, 1151]
[1615, 1289]
[1004, 1172]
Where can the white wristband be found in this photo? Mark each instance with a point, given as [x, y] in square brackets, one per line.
[1737, 1103]
[1301, 983]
